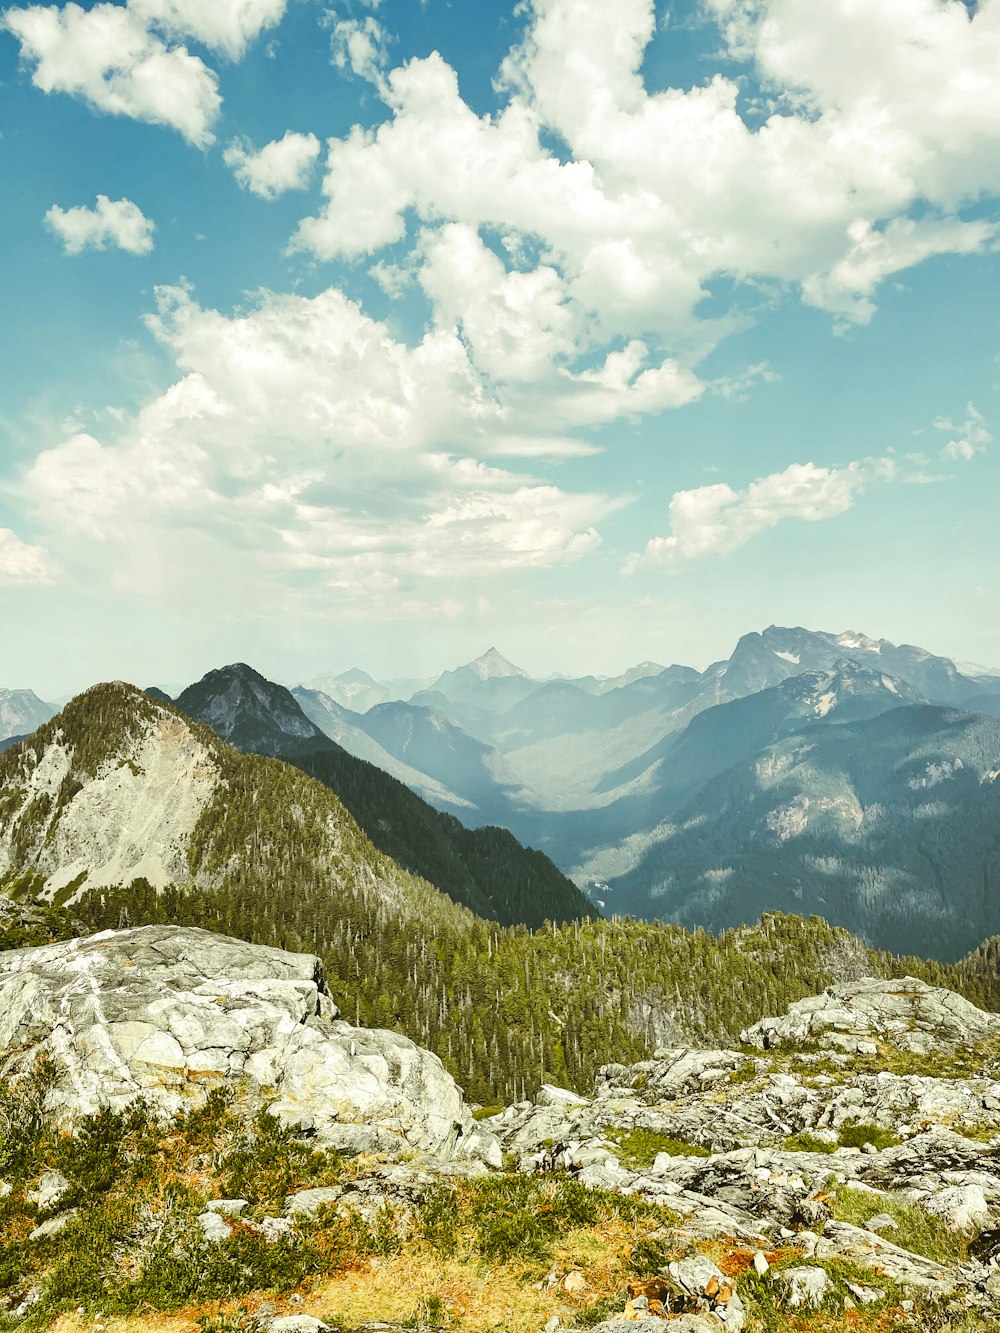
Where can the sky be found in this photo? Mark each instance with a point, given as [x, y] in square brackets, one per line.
[374, 334]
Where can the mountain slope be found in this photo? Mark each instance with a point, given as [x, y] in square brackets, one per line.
[121, 788]
[889, 826]
[485, 869]
[346, 728]
[21, 711]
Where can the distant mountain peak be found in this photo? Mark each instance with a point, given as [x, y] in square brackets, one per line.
[21, 712]
[492, 664]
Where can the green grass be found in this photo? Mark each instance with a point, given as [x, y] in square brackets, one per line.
[806, 1142]
[852, 1134]
[638, 1148]
[916, 1231]
[508, 1217]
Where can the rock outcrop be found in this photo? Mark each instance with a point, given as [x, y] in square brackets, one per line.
[165, 1014]
[906, 1012]
[756, 1149]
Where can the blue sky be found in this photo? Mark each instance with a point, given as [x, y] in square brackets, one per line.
[376, 334]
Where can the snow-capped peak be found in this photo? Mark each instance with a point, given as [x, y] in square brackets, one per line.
[851, 639]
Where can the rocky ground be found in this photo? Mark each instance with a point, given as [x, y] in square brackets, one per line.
[190, 1115]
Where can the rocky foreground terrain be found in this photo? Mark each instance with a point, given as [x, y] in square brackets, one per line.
[188, 1126]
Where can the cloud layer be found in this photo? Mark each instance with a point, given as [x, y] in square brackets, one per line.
[21, 563]
[716, 520]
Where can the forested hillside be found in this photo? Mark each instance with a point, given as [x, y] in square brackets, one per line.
[509, 1009]
[484, 869]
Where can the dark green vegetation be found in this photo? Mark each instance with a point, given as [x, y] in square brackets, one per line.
[640, 1147]
[137, 1188]
[486, 870]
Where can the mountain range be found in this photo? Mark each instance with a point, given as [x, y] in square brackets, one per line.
[816, 772]
[21, 712]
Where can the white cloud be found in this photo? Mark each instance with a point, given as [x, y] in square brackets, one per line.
[968, 438]
[715, 520]
[664, 192]
[109, 57]
[121, 58]
[113, 222]
[284, 164]
[359, 45]
[227, 26]
[304, 446]
[21, 563]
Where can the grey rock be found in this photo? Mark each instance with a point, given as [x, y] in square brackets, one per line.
[961, 1207]
[916, 1275]
[52, 1187]
[906, 1012]
[648, 1325]
[54, 1225]
[214, 1227]
[805, 1287]
[164, 1013]
[882, 1222]
[305, 1203]
[228, 1207]
[865, 1295]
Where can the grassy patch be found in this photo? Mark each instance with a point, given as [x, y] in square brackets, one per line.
[806, 1142]
[854, 1134]
[639, 1148]
[916, 1231]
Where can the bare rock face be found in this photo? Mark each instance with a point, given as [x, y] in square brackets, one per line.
[904, 1012]
[165, 1014]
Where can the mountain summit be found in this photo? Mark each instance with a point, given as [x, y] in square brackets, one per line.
[492, 664]
[249, 711]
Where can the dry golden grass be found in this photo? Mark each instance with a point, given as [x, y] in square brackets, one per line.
[476, 1298]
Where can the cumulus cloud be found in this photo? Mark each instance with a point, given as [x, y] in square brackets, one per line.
[116, 223]
[110, 58]
[227, 26]
[121, 58]
[715, 520]
[661, 193]
[314, 448]
[968, 438]
[21, 563]
[284, 164]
